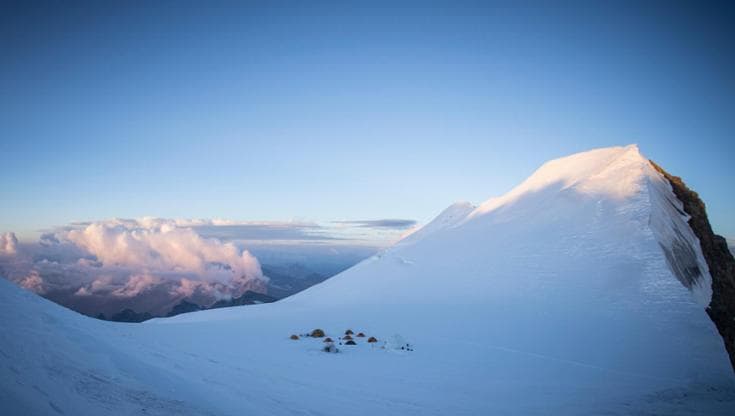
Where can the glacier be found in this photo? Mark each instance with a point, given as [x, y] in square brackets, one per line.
[581, 291]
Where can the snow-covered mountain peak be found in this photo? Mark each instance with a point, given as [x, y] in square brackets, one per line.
[574, 213]
[612, 171]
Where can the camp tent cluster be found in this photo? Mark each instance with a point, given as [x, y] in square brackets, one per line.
[349, 338]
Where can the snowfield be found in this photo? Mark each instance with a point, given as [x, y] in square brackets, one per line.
[580, 292]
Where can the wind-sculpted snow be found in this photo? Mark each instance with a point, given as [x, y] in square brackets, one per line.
[677, 240]
[556, 298]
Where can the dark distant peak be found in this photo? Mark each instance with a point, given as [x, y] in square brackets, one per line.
[184, 307]
[129, 315]
[719, 259]
[247, 298]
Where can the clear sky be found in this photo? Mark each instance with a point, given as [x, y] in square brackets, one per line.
[317, 111]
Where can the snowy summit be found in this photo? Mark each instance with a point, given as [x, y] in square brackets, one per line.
[581, 291]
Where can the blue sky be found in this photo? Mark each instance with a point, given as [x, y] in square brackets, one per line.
[323, 112]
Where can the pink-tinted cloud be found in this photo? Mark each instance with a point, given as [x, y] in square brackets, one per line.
[33, 282]
[154, 262]
[8, 244]
[150, 264]
[136, 285]
[157, 245]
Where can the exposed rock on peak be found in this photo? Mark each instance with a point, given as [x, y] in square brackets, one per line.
[719, 260]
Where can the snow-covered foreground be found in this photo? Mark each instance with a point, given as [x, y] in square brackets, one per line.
[556, 298]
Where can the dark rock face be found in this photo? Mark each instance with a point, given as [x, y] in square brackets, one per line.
[247, 298]
[719, 260]
[129, 315]
[184, 307]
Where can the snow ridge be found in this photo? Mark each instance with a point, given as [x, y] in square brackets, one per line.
[450, 217]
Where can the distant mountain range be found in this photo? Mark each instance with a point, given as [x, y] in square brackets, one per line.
[284, 280]
[186, 306]
[247, 298]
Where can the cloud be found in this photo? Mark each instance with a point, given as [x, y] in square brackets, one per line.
[334, 232]
[8, 244]
[397, 224]
[150, 264]
[161, 246]
[136, 285]
[187, 287]
[33, 282]
[283, 231]
[127, 259]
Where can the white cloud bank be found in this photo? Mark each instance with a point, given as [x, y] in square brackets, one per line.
[125, 259]
[150, 264]
[161, 246]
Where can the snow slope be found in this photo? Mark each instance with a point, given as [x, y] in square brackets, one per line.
[556, 298]
[448, 218]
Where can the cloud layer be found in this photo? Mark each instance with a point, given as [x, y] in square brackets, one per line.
[162, 246]
[147, 263]
[150, 264]
[396, 224]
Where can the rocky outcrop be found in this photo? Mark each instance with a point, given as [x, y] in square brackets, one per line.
[247, 298]
[719, 259]
[184, 307]
[129, 315]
